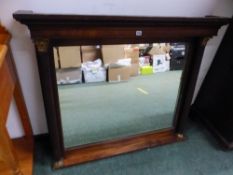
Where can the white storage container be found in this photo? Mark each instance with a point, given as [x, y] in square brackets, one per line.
[95, 75]
[93, 71]
[160, 63]
[69, 75]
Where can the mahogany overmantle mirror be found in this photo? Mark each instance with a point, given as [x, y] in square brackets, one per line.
[114, 84]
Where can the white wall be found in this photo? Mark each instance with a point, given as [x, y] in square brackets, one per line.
[222, 8]
[24, 54]
[14, 124]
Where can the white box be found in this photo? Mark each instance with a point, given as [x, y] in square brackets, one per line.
[95, 75]
[69, 75]
[160, 64]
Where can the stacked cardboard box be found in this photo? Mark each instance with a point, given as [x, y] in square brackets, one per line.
[69, 75]
[90, 53]
[117, 73]
[133, 53]
[160, 49]
[67, 61]
[70, 56]
[111, 53]
[111, 56]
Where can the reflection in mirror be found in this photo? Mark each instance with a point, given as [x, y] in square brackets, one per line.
[115, 91]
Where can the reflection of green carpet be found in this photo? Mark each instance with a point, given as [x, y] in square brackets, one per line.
[100, 111]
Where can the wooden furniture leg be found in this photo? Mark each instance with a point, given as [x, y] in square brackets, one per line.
[7, 153]
[16, 154]
[21, 106]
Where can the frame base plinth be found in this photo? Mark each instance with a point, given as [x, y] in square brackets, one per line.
[87, 153]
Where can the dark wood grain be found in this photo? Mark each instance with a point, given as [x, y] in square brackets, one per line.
[31, 18]
[119, 146]
[48, 30]
[51, 102]
[195, 51]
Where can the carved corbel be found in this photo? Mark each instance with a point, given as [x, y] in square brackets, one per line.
[41, 45]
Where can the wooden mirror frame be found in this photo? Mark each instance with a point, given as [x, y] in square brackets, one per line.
[48, 31]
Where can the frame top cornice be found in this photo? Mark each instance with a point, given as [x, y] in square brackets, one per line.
[164, 26]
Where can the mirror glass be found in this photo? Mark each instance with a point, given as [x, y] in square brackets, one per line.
[115, 91]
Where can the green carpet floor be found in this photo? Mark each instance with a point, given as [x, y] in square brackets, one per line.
[101, 111]
[198, 155]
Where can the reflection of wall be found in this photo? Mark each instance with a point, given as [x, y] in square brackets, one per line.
[23, 49]
[223, 8]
